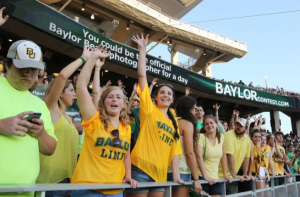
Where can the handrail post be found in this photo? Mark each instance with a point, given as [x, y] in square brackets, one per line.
[272, 186]
[253, 188]
[168, 191]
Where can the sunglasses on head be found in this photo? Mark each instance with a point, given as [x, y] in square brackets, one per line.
[163, 84]
[116, 141]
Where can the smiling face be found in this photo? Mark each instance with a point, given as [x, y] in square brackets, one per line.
[210, 125]
[68, 95]
[21, 78]
[256, 138]
[225, 125]
[114, 102]
[271, 141]
[135, 103]
[164, 97]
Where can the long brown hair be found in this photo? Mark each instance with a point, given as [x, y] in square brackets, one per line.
[50, 85]
[104, 116]
[218, 135]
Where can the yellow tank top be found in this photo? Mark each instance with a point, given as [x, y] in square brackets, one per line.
[275, 162]
[261, 157]
[62, 163]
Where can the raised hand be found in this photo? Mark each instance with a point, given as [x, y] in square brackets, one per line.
[237, 113]
[3, 20]
[260, 118]
[142, 42]
[188, 91]
[254, 118]
[249, 117]
[217, 106]
[87, 52]
[234, 112]
[100, 52]
[106, 85]
[154, 81]
[120, 84]
[135, 87]
[99, 64]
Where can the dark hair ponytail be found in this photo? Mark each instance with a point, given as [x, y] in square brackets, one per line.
[171, 116]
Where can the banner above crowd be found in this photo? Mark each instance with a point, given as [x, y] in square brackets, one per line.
[49, 20]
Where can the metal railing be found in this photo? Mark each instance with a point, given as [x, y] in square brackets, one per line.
[285, 190]
[156, 12]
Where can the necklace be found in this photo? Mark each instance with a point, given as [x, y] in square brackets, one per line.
[211, 141]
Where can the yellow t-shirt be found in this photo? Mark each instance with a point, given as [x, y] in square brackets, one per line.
[239, 147]
[281, 165]
[275, 162]
[156, 145]
[62, 163]
[19, 156]
[213, 156]
[100, 161]
[262, 155]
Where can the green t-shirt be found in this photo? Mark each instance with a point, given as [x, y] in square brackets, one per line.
[290, 155]
[39, 91]
[20, 160]
[199, 125]
[221, 128]
[136, 114]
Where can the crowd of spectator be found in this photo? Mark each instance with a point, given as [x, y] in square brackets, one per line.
[277, 90]
[78, 137]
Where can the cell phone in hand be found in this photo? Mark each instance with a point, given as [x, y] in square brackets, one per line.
[36, 115]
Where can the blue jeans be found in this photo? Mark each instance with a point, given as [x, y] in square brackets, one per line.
[93, 193]
[184, 177]
[60, 193]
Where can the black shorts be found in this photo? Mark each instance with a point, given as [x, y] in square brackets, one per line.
[215, 189]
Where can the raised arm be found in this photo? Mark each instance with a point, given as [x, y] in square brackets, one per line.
[271, 164]
[217, 107]
[237, 116]
[87, 108]
[224, 164]
[188, 91]
[153, 83]
[65, 73]
[142, 76]
[133, 95]
[232, 120]
[96, 82]
[107, 85]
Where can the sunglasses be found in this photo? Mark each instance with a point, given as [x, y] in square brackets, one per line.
[163, 84]
[116, 141]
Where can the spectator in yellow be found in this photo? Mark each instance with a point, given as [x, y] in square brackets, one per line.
[210, 152]
[237, 147]
[105, 155]
[158, 143]
[60, 94]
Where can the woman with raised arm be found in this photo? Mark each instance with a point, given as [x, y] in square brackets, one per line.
[187, 122]
[158, 143]
[60, 94]
[105, 155]
[210, 151]
[274, 150]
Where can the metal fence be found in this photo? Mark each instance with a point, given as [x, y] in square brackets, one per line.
[286, 190]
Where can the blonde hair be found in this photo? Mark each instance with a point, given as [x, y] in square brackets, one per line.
[50, 85]
[104, 116]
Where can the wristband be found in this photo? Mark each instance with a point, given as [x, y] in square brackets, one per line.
[83, 60]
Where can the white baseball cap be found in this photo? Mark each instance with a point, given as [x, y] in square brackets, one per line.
[26, 54]
[242, 121]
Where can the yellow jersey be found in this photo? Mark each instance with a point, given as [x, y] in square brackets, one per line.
[261, 157]
[281, 165]
[100, 161]
[156, 145]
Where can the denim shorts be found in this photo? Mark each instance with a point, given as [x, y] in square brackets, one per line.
[215, 189]
[140, 176]
[93, 193]
[184, 177]
[60, 193]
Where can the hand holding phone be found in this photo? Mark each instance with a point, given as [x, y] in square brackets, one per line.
[36, 115]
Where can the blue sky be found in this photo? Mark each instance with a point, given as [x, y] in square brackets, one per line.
[273, 43]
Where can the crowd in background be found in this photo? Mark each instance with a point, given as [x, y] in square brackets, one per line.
[78, 137]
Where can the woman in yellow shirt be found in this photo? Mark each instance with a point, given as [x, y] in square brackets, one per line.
[105, 155]
[210, 151]
[59, 167]
[158, 143]
[262, 159]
